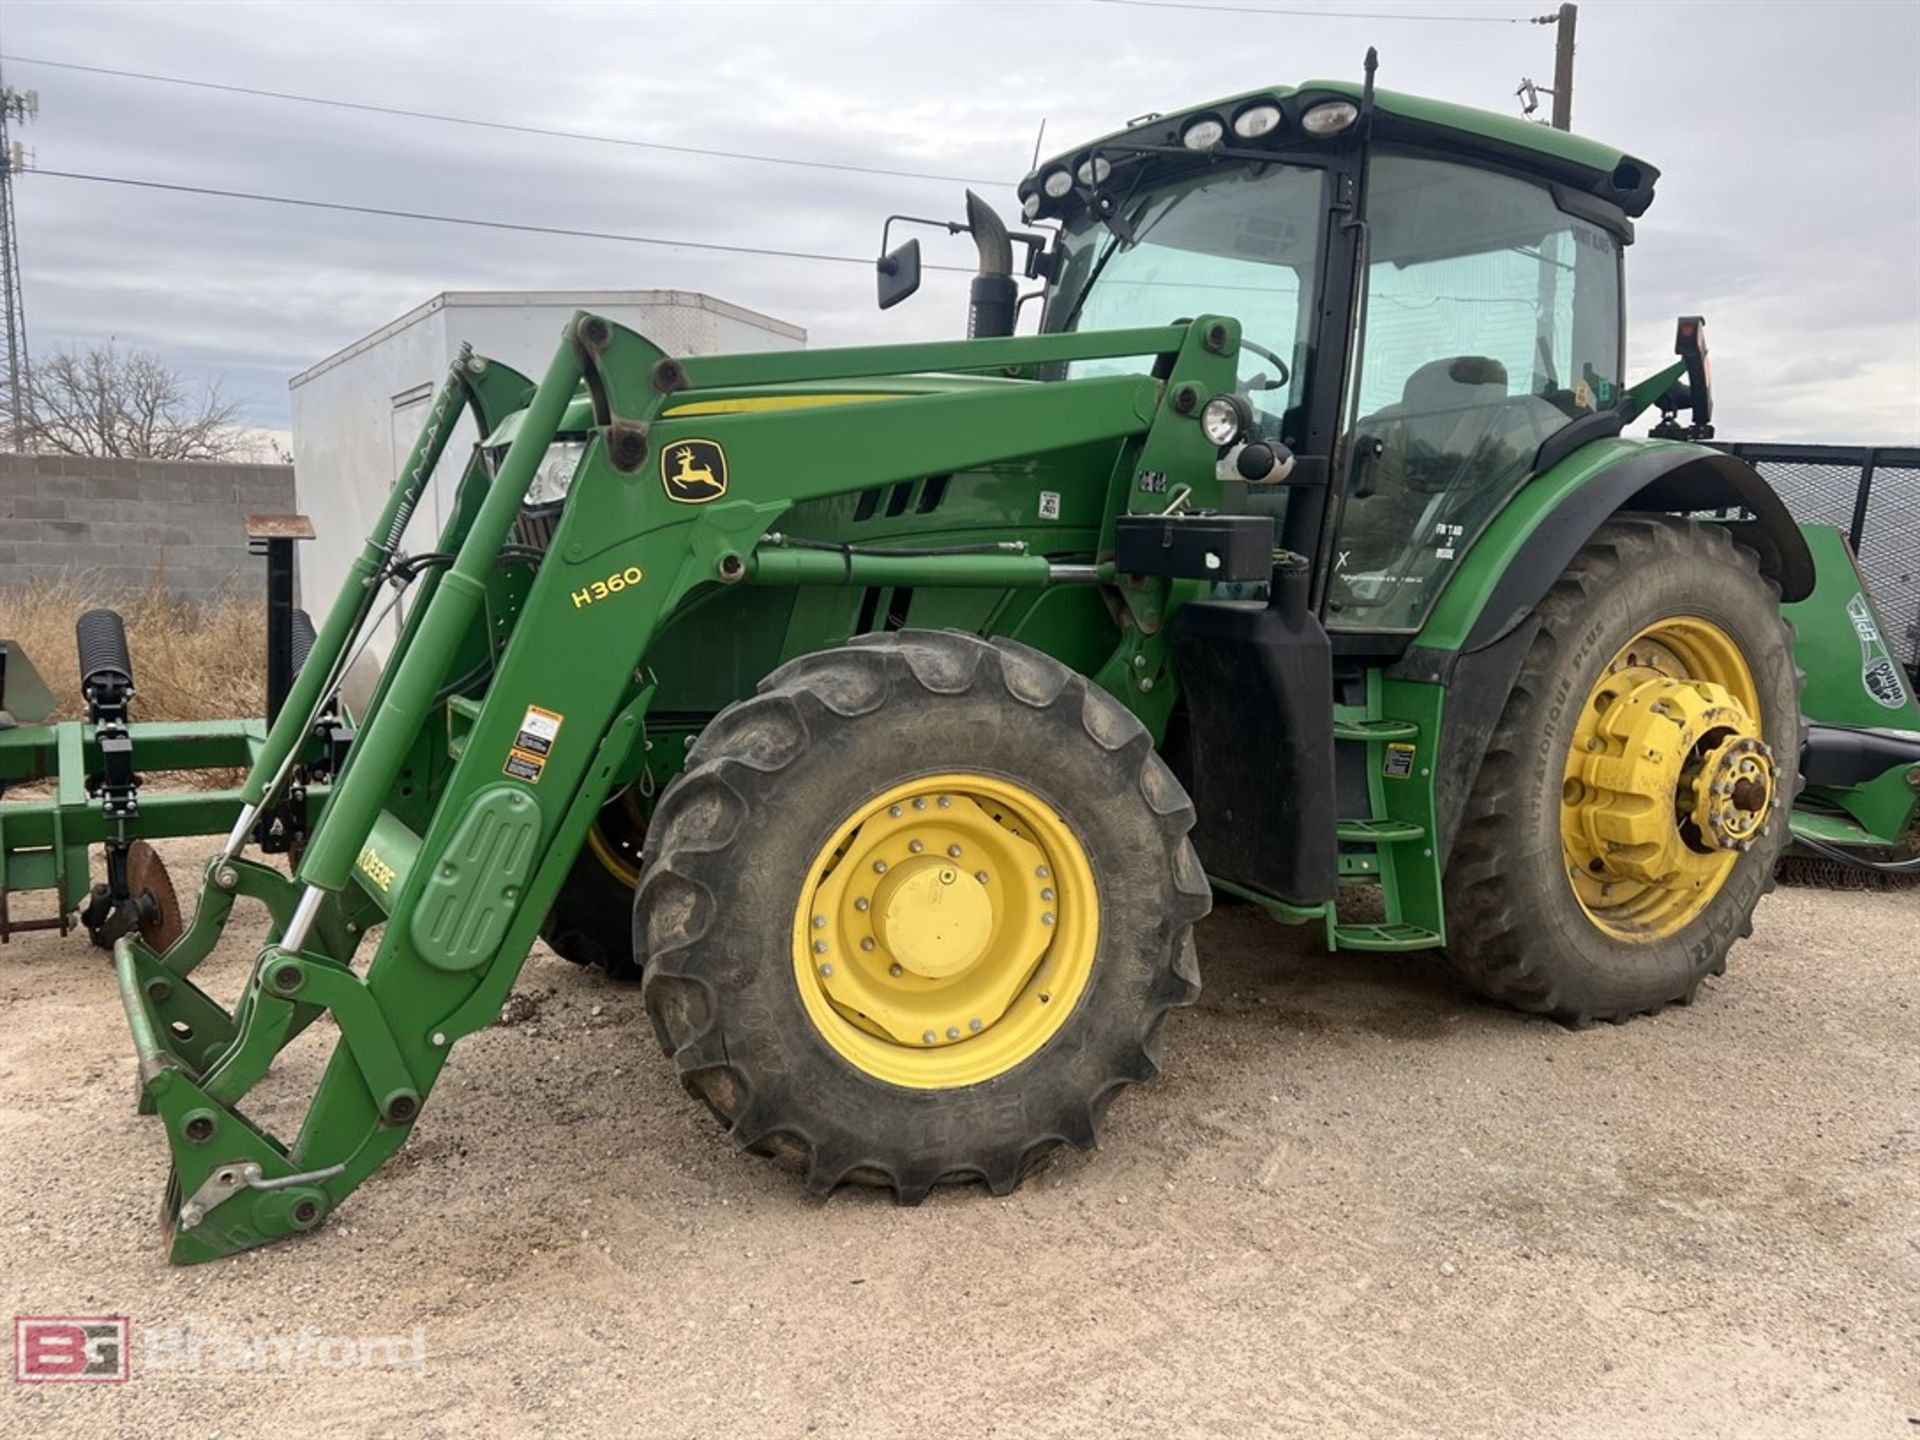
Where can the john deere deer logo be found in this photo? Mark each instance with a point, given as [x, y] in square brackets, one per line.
[694, 471]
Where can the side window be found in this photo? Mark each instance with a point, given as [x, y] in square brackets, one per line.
[1493, 318]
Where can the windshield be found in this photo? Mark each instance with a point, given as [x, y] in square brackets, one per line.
[1235, 241]
[1492, 319]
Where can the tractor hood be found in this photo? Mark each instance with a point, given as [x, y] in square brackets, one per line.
[760, 399]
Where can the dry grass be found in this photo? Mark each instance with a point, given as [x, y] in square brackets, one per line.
[192, 660]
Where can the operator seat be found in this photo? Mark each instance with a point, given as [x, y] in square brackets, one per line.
[1456, 433]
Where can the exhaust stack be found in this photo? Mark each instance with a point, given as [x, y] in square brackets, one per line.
[991, 301]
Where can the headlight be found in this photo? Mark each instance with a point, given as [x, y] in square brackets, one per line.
[1330, 118]
[1222, 419]
[555, 474]
[1203, 134]
[1058, 184]
[1030, 207]
[1256, 120]
[1093, 173]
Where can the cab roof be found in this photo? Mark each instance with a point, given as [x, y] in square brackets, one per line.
[1602, 171]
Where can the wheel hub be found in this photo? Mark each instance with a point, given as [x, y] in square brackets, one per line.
[948, 915]
[1668, 781]
[1733, 794]
[932, 919]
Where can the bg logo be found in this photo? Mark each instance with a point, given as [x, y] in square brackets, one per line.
[69, 1348]
[694, 471]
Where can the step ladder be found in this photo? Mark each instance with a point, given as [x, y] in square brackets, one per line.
[1391, 847]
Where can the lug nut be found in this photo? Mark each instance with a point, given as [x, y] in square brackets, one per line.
[945, 802]
[1042, 874]
[895, 811]
[915, 847]
[879, 867]
[894, 970]
[1047, 919]
[826, 972]
[953, 1032]
[819, 947]
[867, 944]
[974, 1025]
[919, 802]
[981, 876]
[861, 904]
[929, 1038]
[954, 851]
[1047, 894]
[819, 922]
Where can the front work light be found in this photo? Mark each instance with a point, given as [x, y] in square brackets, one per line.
[1330, 118]
[1203, 134]
[555, 475]
[1256, 120]
[1094, 173]
[1058, 184]
[1223, 419]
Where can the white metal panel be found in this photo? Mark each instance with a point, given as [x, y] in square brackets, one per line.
[355, 414]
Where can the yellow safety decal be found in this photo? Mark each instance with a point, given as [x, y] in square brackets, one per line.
[694, 471]
[1398, 764]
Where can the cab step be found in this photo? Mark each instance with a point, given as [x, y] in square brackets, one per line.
[1370, 730]
[1379, 832]
[1383, 937]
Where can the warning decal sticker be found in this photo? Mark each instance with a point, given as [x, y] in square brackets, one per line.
[1399, 762]
[533, 744]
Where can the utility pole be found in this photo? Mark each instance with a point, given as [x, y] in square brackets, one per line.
[1562, 91]
[21, 106]
[1563, 68]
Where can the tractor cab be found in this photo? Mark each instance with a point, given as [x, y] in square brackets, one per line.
[1428, 294]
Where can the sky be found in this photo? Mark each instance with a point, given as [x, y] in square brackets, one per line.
[1788, 136]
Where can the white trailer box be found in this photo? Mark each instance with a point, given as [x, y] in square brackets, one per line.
[356, 413]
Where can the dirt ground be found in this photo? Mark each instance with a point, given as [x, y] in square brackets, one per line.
[1360, 1202]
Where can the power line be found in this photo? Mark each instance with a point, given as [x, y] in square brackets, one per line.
[1307, 14]
[305, 203]
[506, 125]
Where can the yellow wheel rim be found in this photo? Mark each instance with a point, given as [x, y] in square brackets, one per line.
[617, 835]
[946, 931]
[1668, 782]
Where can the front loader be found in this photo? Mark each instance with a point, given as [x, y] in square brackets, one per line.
[895, 711]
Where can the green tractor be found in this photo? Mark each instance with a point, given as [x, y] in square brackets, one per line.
[894, 712]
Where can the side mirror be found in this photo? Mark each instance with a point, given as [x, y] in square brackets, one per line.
[899, 274]
[1690, 344]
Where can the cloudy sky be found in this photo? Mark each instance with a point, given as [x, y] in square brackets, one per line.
[1788, 134]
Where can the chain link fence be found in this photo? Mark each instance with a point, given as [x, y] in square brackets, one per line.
[1872, 493]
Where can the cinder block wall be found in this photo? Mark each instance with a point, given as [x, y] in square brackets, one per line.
[127, 524]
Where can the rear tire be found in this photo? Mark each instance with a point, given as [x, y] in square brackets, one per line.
[747, 839]
[1517, 930]
[591, 921]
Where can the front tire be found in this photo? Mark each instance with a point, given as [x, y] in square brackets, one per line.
[917, 911]
[1633, 799]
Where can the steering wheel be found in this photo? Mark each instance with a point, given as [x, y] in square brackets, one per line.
[1265, 354]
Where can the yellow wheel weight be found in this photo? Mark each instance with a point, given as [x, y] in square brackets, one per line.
[1668, 782]
[946, 931]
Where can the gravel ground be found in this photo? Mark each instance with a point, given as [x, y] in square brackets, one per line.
[1360, 1202]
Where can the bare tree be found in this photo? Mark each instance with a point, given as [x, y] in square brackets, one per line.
[129, 405]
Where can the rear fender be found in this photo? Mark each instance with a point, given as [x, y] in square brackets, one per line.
[1480, 629]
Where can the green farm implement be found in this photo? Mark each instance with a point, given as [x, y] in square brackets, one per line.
[894, 712]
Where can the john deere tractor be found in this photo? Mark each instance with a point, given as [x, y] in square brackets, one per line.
[894, 712]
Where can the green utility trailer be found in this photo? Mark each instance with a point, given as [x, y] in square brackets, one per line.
[894, 712]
